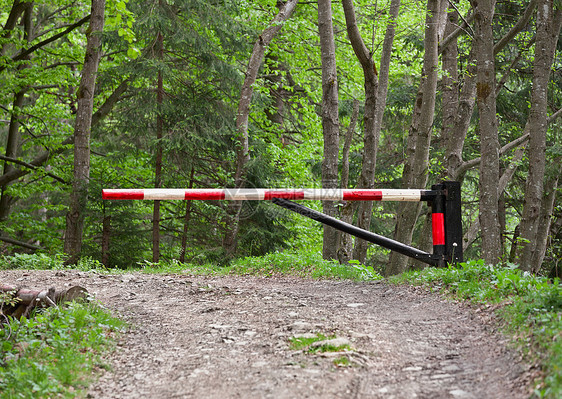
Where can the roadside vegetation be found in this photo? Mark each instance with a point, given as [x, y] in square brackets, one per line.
[529, 308]
[56, 352]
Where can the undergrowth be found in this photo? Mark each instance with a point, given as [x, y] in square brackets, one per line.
[42, 261]
[55, 352]
[305, 265]
[530, 308]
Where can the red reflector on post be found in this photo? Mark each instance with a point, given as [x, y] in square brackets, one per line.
[438, 226]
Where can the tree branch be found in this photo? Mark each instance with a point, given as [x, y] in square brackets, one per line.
[30, 166]
[518, 27]
[471, 33]
[456, 33]
[44, 156]
[555, 115]
[20, 56]
[20, 243]
[509, 146]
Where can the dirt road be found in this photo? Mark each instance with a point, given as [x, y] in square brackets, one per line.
[228, 337]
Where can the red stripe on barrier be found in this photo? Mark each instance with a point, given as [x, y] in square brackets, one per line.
[438, 226]
[286, 194]
[362, 195]
[195, 194]
[122, 194]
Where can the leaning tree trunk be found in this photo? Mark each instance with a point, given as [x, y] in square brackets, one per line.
[232, 220]
[419, 138]
[330, 120]
[545, 220]
[82, 127]
[345, 244]
[376, 87]
[13, 140]
[548, 29]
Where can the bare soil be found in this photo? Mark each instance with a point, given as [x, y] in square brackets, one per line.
[228, 337]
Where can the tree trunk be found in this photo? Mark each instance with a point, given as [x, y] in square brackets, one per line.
[450, 90]
[158, 160]
[82, 127]
[330, 120]
[186, 218]
[547, 207]
[376, 88]
[489, 144]
[417, 161]
[105, 240]
[548, 29]
[345, 245]
[472, 232]
[18, 7]
[232, 219]
[13, 140]
[12, 149]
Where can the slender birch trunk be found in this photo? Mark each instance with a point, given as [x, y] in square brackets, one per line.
[232, 219]
[548, 30]
[85, 95]
[330, 120]
[13, 140]
[489, 144]
[419, 138]
[376, 88]
[345, 245]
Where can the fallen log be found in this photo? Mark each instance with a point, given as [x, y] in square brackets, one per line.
[17, 302]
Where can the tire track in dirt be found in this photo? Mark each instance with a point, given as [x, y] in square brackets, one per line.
[227, 337]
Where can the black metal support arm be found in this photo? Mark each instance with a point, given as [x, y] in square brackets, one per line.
[363, 234]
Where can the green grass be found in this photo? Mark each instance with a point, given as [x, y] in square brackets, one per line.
[530, 308]
[305, 343]
[42, 261]
[56, 352]
[305, 265]
[342, 361]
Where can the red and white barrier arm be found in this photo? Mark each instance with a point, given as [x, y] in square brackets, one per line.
[244, 194]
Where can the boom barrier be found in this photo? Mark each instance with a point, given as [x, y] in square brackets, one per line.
[444, 198]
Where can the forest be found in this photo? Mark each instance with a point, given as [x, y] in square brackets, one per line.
[108, 94]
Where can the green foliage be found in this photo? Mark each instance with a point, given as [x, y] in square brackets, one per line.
[41, 261]
[54, 353]
[531, 308]
[32, 262]
[301, 264]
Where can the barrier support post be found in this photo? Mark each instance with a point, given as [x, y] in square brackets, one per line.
[447, 222]
[453, 224]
